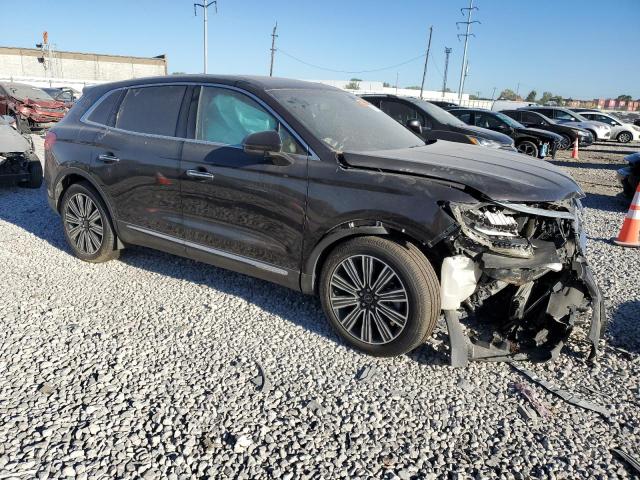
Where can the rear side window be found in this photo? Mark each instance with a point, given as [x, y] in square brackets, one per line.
[464, 116]
[152, 110]
[102, 113]
[401, 112]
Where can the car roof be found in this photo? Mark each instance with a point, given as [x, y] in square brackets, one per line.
[255, 81]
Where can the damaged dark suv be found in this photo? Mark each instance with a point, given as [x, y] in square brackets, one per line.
[316, 189]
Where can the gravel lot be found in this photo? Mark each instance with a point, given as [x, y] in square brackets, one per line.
[143, 368]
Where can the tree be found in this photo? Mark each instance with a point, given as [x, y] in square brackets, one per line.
[413, 87]
[386, 84]
[546, 96]
[557, 99]
[354, 84]
[508, 94]
[178, 73]
[355, 80]
[532, 96]
[624, 98]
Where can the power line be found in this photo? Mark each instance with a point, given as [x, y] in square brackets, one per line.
[350, 71]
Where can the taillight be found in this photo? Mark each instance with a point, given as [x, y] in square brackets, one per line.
[49, 140]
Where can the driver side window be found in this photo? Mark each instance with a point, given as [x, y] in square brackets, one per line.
[487, 121]
[226, 116]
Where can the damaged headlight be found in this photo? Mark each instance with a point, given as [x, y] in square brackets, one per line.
[493, 227]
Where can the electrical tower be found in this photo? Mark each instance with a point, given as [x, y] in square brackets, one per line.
[273, 48]
[205, 7]
[468, 23]
[447, 52]
[426, 61]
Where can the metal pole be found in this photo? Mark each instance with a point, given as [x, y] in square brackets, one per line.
[447, 52]
[397, 83]
[426, 61]
[273, 48]
[205, 7]
[493, 94]
[205, 37]
[464, 53]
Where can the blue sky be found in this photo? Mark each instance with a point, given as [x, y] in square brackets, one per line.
[579, 48]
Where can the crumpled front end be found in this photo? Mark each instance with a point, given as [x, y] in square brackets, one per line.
[521, 274]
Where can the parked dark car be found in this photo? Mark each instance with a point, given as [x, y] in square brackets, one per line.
[315, 189]
[530, 141]
[629, 176]
[536, 120]
[434, 123]
[65, 95]
[599, 131]
[19, 165]
[32, 107]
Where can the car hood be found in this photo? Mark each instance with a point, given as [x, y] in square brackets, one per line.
[486, 133]
[537, 132]
[633, 159]
[45, 103]
[11, 141]
[498, 174]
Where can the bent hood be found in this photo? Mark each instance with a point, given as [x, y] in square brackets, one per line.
[500, 175]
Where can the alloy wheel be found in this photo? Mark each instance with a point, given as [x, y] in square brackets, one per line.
[527, 148]
[624, 137]
[84, 224]
[369, 299]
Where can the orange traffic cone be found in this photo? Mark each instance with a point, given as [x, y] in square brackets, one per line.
[629, 235]
[574, 154]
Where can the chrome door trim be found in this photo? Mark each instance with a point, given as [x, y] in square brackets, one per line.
[84, 118]
[214, 251]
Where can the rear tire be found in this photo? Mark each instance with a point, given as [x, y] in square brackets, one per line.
[87, 225]
[381, 297]
[529, 148]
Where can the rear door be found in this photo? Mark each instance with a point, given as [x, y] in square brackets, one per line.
[240, 210]
[137, 160]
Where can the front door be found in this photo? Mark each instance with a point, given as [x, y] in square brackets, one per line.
[137, 162]
[240, 210]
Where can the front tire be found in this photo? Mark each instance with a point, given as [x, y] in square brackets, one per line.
[380, 296]
[87, 225]
[624, 137]
[566, 142]
[529, 148]
[34, 167]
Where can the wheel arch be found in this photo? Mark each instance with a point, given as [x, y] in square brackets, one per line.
[312, 265]
[75, 175]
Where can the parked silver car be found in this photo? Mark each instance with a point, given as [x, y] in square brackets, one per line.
[599, 130]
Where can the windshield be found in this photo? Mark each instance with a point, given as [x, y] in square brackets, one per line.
[440, 115]
[508, 120]
[22, 92]
[344, 121]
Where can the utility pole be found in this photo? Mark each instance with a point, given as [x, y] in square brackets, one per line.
[205, 7]
[493, 94]
[466, 36]
[397, 74]
[273, 48]
[426, 61]
[447, 52]
[518, 89]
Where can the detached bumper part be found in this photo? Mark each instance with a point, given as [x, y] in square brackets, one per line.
[549, 328]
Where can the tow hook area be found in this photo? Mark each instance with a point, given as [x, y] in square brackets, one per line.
[525, 313]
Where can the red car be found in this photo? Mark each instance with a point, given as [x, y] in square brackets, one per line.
[32, 107]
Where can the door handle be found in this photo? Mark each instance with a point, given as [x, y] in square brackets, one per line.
[200, 175]
[107, 158]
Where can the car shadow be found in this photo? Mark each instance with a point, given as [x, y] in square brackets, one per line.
[579, 164]
[632, 149]
[607, 203]
[29, 210]
[624, 327]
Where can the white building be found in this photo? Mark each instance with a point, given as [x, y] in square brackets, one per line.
[49, 68]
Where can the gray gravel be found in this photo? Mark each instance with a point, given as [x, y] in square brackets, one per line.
[143, 368]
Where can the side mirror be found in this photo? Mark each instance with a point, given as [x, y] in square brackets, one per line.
[415, 126]
[266, 144]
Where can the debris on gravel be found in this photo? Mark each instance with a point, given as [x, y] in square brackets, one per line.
[148, 361]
